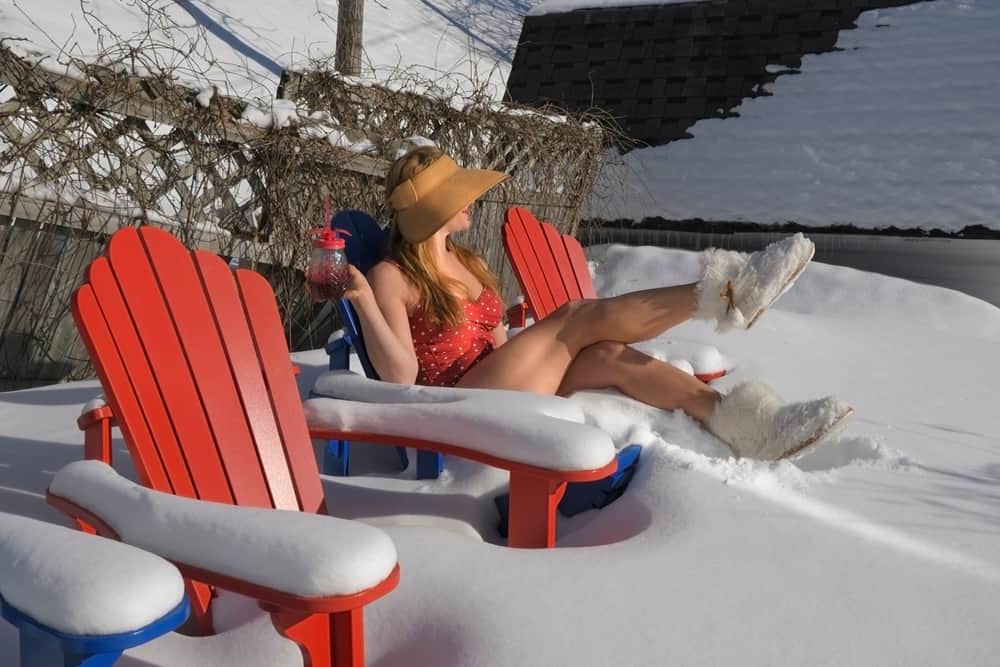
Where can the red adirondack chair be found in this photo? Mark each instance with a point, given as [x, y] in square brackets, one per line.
[194, 364]
[551, 269]
[550, 266]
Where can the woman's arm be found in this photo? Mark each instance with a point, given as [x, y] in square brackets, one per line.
[380, 301]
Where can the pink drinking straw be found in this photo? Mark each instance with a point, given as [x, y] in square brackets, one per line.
[327, 210]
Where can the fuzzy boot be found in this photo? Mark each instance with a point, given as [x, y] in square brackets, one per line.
[735, 288]
[756, 423]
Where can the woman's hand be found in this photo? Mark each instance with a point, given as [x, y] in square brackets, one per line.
[357, 288]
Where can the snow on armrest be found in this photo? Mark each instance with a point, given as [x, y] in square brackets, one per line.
[533, 429]
[291, 552]
[81, 584]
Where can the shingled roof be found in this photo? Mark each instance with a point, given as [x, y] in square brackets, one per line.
[658, 69]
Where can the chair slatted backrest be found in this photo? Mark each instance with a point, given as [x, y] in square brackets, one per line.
[195, 367]
[551, 267]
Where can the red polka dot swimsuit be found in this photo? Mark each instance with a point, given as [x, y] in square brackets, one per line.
[445, 354]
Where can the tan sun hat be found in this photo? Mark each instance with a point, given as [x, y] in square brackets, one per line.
[431, 198]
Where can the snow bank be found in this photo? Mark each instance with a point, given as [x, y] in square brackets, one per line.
[706, 559]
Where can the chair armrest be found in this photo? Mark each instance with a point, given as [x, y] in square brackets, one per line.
[78, 584]
[288, 559]
[508, 429]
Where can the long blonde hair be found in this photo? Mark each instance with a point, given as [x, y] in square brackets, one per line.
[436, 292]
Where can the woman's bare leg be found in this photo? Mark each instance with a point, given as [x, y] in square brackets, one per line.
[609, 365]
[538, 358]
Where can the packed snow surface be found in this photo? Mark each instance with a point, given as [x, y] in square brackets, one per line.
[878, 547]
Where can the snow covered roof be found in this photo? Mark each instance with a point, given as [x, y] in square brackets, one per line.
[896, 126]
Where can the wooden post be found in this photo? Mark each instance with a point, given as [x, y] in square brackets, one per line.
[350, 22]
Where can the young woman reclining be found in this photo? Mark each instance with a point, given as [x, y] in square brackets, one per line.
[432, 315]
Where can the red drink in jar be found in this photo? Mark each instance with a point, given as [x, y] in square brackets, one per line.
[329, 284]
[328, 272]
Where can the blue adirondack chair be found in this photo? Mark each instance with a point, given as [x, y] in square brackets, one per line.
[365, 247]
[41, 569]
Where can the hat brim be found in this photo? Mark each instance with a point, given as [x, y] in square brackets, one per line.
[420, 221]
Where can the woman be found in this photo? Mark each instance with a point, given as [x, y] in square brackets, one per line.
[432, 315]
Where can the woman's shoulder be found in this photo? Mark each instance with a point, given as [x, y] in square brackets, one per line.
[386, 267]
[387, 278]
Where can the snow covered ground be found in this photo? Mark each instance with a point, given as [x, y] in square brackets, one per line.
[242, 46]
[878, 548]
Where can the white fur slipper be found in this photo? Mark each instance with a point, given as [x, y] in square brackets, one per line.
[736, 288]
[756, 423]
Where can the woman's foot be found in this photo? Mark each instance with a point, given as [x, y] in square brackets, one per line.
[757, 424]
[736, 288]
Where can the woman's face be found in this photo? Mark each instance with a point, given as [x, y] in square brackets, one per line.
[458, 223]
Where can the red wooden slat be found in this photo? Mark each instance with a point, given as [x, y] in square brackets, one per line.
[228, 454]
[164, 438]
[121, 396]
[518, 252]
[532, 273]
[578, 261]
[155, 331]
[564, 273]
[264, 452]
[272, 350]
[553, 292]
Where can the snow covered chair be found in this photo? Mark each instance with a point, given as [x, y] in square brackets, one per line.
[552, 270]
[543, 441]
[82, 600]
[196, 372]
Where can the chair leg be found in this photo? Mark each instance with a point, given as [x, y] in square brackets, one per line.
[533, 503]
[429, 464]
[337, 460]
[348, 631]
[42, 650]
[334, 640]
[404, 458]
[310, 631]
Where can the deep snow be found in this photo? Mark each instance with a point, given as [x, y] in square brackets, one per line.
[877, 548]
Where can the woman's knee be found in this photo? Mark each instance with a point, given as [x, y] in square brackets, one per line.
[583, 317]
[603, 352]
[595, 367]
